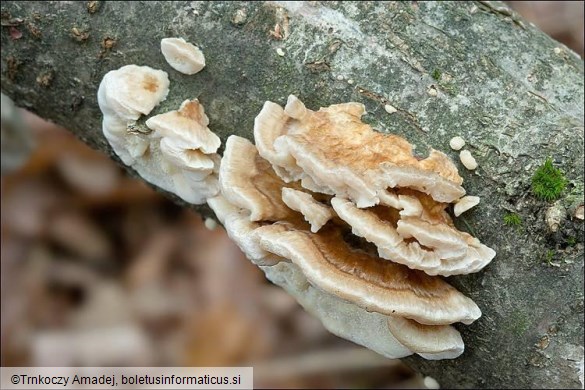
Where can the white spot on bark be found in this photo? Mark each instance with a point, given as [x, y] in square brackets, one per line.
[467, 159]
[457, 143]
[431, 383]
[390, 109]
[210, 223]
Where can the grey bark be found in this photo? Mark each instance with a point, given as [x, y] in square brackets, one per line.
[511, 91]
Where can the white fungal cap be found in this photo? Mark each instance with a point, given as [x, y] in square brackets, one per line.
[187, 152]
[269, 124]
[210, 223]
[341, 317]
[248, 182]
[432, 342]
[390, 109]
[190, 188]
[132, 91]
[295, 108]
[182, 55]
[180, 156]
[429, 382]
[464, 204]
[447, 242]
[410, 204]
[382, 286]
[467, 160]
[123, 96]
[190, 159]
[186, 128]
[456, 143]
[436, 175]
[316, 213]
[333, 150]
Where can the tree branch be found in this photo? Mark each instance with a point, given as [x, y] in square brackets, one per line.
[512, 92]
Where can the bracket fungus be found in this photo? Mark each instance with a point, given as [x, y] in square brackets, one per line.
[318, 192]
[182, 55]
[188, 150]
[387, 335]
[240, 229]
[123, 96]
[464, 204]
[176, 151]
[315, 212]
[385, 287]
[247, 181]
[438, 249]
[325, 150]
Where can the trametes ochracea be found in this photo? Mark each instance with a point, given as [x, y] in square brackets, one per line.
[176, 150]
[304, 203]
[293, 201]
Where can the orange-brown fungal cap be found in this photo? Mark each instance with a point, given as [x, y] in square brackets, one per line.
[336, 150]
[382, 286]
[437, 249]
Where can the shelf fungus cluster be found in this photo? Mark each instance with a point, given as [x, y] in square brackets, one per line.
[352, 225]
[346, 219]
[175, 150]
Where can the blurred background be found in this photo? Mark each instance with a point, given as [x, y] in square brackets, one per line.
[98, 269]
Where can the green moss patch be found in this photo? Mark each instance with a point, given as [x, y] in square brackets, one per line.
[548, 182]
[512, 219]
